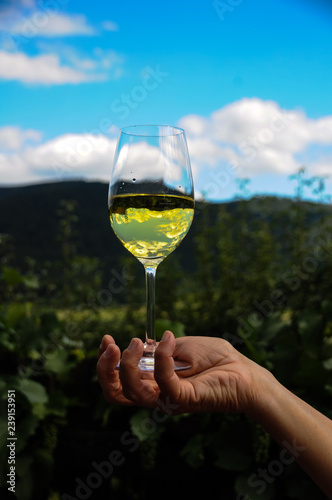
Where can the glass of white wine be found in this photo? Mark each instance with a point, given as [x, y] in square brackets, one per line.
[151, 205]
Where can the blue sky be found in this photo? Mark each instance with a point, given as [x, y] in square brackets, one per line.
[249, 80]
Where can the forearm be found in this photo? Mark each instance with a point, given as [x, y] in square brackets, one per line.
[298, 427]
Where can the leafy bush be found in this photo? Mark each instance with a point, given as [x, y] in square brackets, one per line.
[260, 279]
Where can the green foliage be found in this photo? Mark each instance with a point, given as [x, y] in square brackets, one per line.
[254, 271]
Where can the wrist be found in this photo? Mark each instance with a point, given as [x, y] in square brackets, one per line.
[264, 389]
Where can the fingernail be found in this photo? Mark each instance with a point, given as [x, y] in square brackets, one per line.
[165, 337]
[107, 353]
[132, 345]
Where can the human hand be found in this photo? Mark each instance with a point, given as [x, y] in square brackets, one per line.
[221, 379]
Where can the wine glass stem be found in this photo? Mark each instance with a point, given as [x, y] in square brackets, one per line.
[150, 338]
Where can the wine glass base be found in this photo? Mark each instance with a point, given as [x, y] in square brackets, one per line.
[146, 364]
[181, 365]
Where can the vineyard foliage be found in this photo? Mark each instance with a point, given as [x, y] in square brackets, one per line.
[256, 271]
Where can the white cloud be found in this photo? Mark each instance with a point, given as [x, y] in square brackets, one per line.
[52, 69]
[44, 69]
[66, 156]
[104, 62]
[324, 167]
[248, 138]
[110, 26]
[28, 3]
[253, 137]
[109, 60]
[23, 21]
[73, 155]
[27, 20]
[13, 138]
[47, 23]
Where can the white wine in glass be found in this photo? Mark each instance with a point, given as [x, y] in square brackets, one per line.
[151, 205]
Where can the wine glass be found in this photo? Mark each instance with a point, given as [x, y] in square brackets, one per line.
[151, 205]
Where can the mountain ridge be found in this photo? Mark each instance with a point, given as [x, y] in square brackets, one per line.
[30, 215]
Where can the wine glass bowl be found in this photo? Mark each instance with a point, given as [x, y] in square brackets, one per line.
[151, 204]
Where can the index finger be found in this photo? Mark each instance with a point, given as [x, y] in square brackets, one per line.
[135, 388]
[164, 373]
[108, 376]
[106, 340]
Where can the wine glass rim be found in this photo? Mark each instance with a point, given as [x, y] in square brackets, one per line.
[131, 130]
